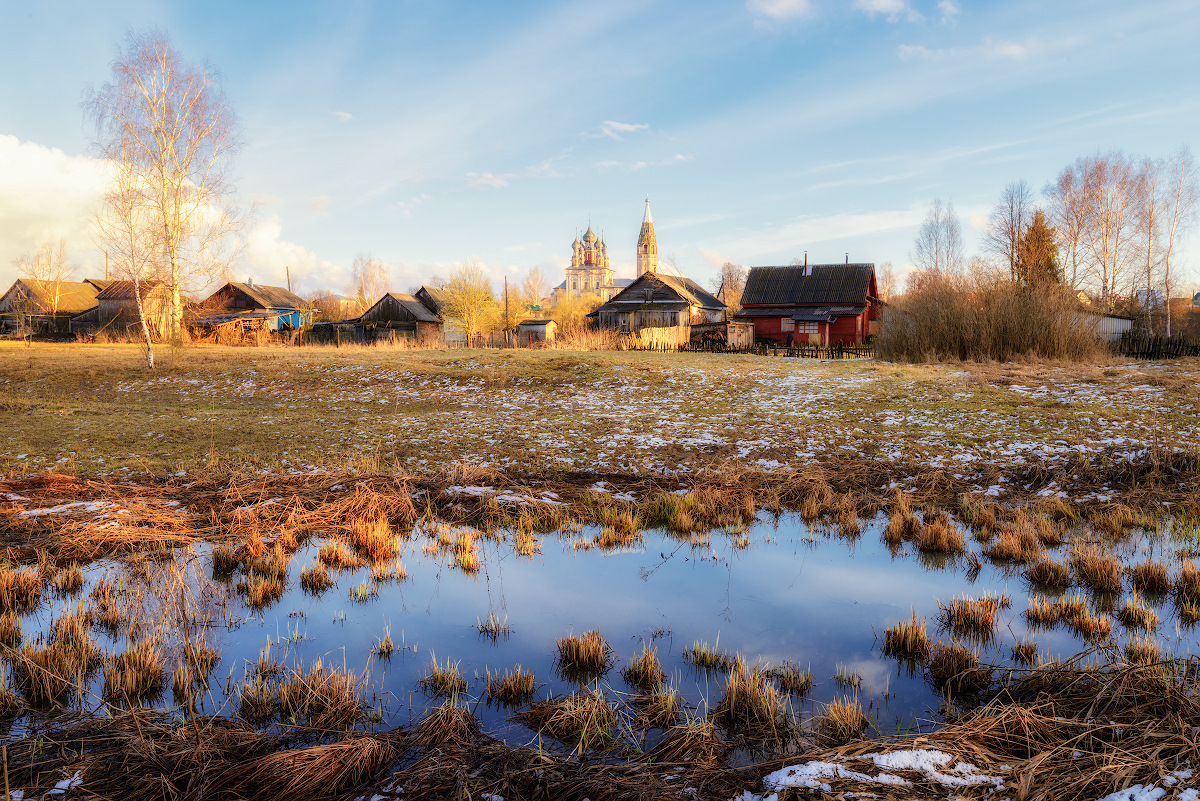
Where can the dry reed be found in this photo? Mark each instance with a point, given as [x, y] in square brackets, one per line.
[644, 672]
[136, 675]
[1049, 574]
[321, 698]
[907, 639]
[751, 702]
[840, 721]
[588, 653]
[585, 717]
[708, 657]
[1150, 578]
[443, 681]
[1096, 570]
[514, 688]
[20, 589]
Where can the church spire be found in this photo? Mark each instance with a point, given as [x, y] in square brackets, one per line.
[647, 246]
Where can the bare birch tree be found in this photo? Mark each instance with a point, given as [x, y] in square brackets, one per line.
[126, 228]
[535, 287]
[1182, 194]
[1148, 213]
[369, 280]
[1007, 224]
[169, 123]
[1109, 192]
[939, 247]
[51, 268]
[885, 282]
[1068, 216]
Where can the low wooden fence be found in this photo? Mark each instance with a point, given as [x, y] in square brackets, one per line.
[765, 349]
[1145, 346]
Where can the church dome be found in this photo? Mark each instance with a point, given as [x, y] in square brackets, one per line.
[589, 237]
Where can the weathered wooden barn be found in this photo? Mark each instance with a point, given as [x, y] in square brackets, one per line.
[116, 313]
[434, 299]
[659, 310]
[817, 304]
[400, 314]
[280, 308]
[46, 307]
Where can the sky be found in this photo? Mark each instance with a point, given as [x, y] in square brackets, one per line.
[432, 133]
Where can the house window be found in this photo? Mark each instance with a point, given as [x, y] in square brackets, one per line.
[807, 328]
[787, 324]
[574, 285]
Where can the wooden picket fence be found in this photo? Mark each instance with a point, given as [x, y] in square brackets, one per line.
[1145, 346]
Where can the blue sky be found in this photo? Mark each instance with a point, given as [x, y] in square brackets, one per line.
[428, 133]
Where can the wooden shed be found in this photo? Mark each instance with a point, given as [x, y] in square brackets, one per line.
[817, 304]
[116, 312]
[533, 332]
[659, 310]
[397, 313]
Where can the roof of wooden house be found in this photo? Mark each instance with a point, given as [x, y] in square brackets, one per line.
[420, 312]
[432, 297]
[123, 290]
[74, 297]
[811, 285]
[662, 291]
[269, 297]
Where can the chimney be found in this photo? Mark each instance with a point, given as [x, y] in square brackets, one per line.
[806, 270]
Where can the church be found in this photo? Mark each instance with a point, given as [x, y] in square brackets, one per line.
[590, 272]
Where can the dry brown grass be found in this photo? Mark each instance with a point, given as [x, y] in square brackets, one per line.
[448, 724]
[514, 688]
[1096, 569]
[315, 580]
[658, 709]
[135, 676]
[466, 551]
[1049, 574]
[587, 654]
[336, 555]
[321, 698]
[976, 616]
[1024, 652]
[1042, 613]
[1136, 615]
[939, 535]
[1142, 650]
[1150, 578]
[955, 667]
[840, 721]
[751, 703]
[585, 717]
[372, 538]
[1016, 542]
[20, 589]
[260, 591]
[694, 741]
[444, 680]
[708, 657]
[792, 678]
[644, 672]
[10, 630]
[908, 639]
[48, 674]
[1187, 584]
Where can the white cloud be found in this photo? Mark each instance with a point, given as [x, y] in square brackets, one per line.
[988, 49]
[634, 166]
[949, 8]
[613, 129]
[46, 194]
[344, 116]
[782, 9]
[319, 205]
[269, 259]
[488, 179]
[406, 207]
[892, 9]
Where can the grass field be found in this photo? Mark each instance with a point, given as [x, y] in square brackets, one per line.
[95, 411]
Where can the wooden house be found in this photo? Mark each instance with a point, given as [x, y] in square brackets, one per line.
[434, 299]
[397, 313]
[533, 332]
[658, 309]
[116, 312]
[46, 307]
[278, 307]
[817, 304]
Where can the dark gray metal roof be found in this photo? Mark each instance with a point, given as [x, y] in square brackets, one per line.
[819, 284]
[270, 297]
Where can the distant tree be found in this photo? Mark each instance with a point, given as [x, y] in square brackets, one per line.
[470, 300]
[1182, 196]
[327, 306]
[571, 312]
[369, 280]
[169, 123]
[938, 247]
[1067, 211]
[885, 281]
[50, 267]
[1007, 224]
[535, 287]
[1110, 185]
[1037, 253]
[729, 284]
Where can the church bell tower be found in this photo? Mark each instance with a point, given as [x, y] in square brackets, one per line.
[647, 245]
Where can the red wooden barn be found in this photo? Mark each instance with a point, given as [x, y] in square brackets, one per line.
[817, 304]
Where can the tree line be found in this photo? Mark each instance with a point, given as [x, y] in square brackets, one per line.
[1109, 225]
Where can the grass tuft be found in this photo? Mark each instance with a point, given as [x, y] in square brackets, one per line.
[585, 717]
[20, 589]
[315, 580]
[1150, 578]
[751, 702]
[708, 657]
[644, 672]
[135, 676]
[514, 688]
[841, 721]
[442, 681]
[588, 653]
[908, 639]
[1097, 570]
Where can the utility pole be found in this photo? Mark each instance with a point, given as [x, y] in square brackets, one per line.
[287, 272]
